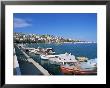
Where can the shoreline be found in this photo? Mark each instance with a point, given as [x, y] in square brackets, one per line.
[60, 43]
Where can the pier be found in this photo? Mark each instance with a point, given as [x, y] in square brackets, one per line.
[45, 72]
[37, 65]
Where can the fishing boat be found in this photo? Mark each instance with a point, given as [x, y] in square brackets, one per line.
[83, 68]
[68, 68]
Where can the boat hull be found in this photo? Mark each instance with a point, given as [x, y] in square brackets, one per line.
[86, 73]
[73, 71]
[65, 70]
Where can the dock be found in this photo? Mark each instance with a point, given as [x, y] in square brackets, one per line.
[37, 65]
[45, 72]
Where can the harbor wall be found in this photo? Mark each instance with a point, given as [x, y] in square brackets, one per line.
[16, 65]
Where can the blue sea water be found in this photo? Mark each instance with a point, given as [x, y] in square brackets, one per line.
[88, 50]
[80, 49]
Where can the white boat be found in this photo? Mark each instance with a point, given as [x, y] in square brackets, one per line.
[48, 56]
[49, 51]
[60, 59]
[63, 59]
[44, 57]
[33, 50]
[92, 62]
[41, 51]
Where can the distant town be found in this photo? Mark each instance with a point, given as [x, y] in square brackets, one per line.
[44, 38]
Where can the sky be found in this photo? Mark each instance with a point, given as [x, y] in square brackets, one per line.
[82, 26]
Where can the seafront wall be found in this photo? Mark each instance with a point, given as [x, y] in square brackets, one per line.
[16, 65]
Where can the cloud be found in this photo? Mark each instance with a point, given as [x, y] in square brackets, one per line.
[20, 23]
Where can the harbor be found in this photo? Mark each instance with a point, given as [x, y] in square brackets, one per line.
[46, 61]
[55, 44]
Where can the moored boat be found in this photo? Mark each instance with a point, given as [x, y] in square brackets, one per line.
[44, 51]
[60, 59]
[68, 68]
[82, 68]
[44, 57]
